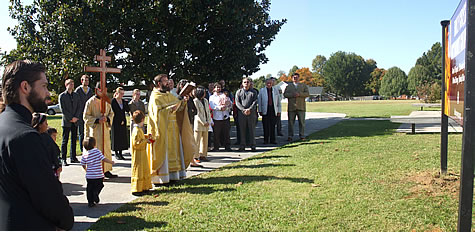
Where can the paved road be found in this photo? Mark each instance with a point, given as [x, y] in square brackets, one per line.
[117, 191]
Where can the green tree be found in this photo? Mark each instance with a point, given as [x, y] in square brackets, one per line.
[293, 70]
[261, 81]
[418, 76]
[346, 73]
[432, 62]
[317, 64]
[394, 83]
[198, 40]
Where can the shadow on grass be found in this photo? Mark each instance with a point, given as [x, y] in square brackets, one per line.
[192, 190]
[356, 128]
[188, 185]
[269, 157]
[259, 166]
[118, 223]
[133, 206]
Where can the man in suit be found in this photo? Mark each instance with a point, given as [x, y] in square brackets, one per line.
[69, 104]
[269, 108]
[84, 92]
[296, 93]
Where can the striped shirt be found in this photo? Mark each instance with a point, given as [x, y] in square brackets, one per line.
[92, 160]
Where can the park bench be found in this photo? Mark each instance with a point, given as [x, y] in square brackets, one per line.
[413, 120]
[427, 105]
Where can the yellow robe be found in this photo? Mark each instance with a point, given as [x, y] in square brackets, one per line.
[92, 111]
[171, 153]
[141, 179]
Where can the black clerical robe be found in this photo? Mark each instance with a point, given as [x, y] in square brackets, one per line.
[31, 197]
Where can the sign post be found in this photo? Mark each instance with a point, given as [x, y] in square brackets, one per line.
[444, 119]
[463, 31]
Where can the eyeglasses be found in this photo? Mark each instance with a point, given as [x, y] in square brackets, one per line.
[245, 82]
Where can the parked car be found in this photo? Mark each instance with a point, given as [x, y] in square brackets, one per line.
[54, 109]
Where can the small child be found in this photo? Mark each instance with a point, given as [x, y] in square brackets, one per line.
[52, 132]
[40, 123]
[141, 180]
[91, 162]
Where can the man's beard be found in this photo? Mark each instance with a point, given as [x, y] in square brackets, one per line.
[38, 104]
[164, 88]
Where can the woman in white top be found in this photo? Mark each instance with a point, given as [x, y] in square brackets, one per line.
[202, 122]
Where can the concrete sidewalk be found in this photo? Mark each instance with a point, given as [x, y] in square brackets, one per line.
[117, 191]
[454, 127]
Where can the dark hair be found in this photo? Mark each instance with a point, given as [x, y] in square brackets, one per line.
[17, 72]
[200, 92]
[89, 143]
[138, 116]
[37, 120]
[158, 78]
[296, 74]
[215, 84]
[51, 130]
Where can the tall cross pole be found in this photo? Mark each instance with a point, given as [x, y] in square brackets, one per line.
[103, 70]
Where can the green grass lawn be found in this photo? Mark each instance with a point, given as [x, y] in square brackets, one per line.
[358, 109]
[354, 176]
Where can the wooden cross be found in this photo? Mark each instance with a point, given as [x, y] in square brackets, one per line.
[103, 70]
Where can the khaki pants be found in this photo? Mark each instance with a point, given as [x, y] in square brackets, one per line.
[301, 115]
[201, 138]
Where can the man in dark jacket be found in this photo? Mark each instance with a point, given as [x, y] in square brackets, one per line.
[69, 104]
[84, 92]
[31, 197]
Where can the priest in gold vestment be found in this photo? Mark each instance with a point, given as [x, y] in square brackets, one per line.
[168, 125]
[98, 126]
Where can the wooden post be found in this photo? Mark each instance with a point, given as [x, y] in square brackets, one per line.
[444, 124]
[103, 70]
[468, 143]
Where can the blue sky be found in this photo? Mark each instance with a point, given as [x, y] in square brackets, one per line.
[392, 32]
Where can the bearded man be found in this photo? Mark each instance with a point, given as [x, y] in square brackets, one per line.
[31, 197]
[168, 125]
[99, 125]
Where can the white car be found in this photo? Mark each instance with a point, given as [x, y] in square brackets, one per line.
[54, 109]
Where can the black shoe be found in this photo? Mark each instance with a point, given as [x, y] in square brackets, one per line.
[74, 161]
[138, 194]
[273, 142]
[253, 149]
[110, 175]
[228, 149]
[215, 150]
[91, 204]
[65, 163]
[241, 149]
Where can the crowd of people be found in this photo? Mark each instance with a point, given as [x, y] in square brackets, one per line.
[183, 124]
